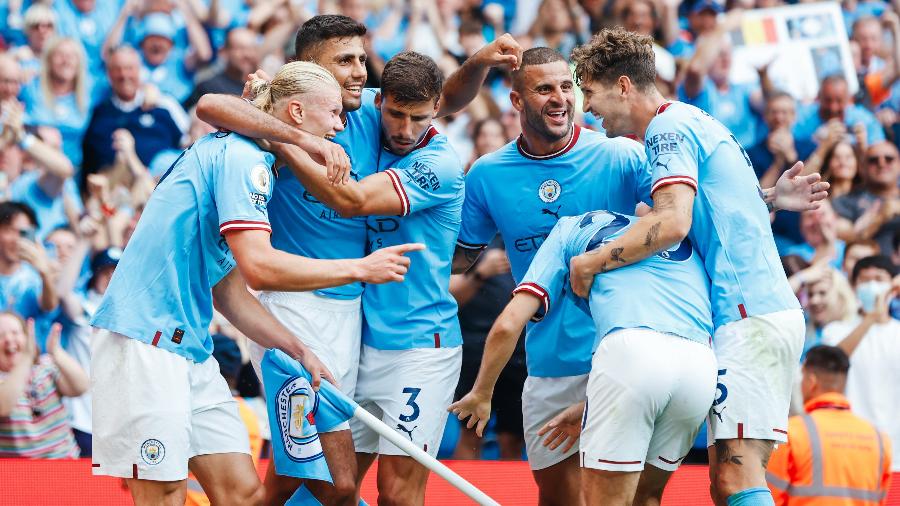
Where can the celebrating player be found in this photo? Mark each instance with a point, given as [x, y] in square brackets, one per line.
[160, 404]
[554, 169]
[653, 373]
[330, 321]
[705, 188]
[411, 356]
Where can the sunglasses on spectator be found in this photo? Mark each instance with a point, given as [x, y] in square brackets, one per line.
[877, 158]
[41, 25]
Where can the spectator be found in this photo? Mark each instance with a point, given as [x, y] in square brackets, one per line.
[488, 136]
[241, 60]
[156, 122]
[641, 16]
[481, 294]
[701, 20]
[33, 421]
[560, 25]
[869, 37]
[832, 455]
[820, 242]
[707, 85]
[827, 297]
[835, 104]
[40, 28]
[856, 250]
[10, 79]
[876, 75]
[873, 210]
[840, 167]
[87, 21]
[59, 97]
[871, 342]
[26, 280]
[167, 65]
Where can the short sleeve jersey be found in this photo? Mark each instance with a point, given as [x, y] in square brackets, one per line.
[667, 292]
[302, 225]
[523, 196]
[419, 312]
[730, 226]
[161, 292]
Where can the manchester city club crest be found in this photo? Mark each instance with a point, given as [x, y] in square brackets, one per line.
[297, 404]
[259, 175]
[549, 191]
[153, 452]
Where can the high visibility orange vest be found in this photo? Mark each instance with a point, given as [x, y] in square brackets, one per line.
[195, 494]
[832, 458]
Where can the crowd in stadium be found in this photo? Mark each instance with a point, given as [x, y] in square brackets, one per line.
[98, 100]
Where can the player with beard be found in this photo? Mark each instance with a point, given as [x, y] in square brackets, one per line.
[704, 188]
[331, 320]
[554, 169]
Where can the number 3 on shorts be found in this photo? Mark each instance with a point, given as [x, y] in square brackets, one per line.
[411, 402]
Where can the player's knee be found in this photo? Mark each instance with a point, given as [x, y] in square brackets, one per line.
[247, 493]
[344, 491]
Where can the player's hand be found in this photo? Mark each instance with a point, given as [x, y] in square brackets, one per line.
[563, 428]
[504, 50]
[316, 369]
[329, 154]
[794, 192]
[580, 276]
[387, 264]
[476, 407]
[247, 92]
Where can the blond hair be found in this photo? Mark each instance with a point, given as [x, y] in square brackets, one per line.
[39, 13]
[294, 78]
[80, 77]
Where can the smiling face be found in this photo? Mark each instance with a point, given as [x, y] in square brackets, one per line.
[546, 100]
[12, 341]
[317, 113]
[65, 61]
[843, 163]
[606, 102]
[345, 58]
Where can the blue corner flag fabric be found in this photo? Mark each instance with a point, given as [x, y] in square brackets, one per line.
[296, 413]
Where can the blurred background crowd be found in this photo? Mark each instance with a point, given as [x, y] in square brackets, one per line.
[96, 102]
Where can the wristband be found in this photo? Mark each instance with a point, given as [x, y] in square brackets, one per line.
[27, 141]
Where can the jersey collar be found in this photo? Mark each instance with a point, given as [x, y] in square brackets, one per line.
[576, 131]
[662, 108]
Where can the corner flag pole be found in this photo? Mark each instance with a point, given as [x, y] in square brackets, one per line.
[423, 458]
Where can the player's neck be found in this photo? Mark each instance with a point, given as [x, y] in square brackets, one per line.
[645, 109]
[535, 144]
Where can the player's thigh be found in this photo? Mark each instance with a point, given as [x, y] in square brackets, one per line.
[228, 478]
[401, 480]
[651, 485]
[613, 488]
[279, 488]
[560, 483]
[757, 360]
[542, 399]
[153, 493]
[141, 410]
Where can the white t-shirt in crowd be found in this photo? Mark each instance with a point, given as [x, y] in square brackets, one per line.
[873, 383]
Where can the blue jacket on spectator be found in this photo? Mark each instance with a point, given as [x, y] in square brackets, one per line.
[809, 121]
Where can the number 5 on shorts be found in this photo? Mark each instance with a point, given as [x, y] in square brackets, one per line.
[411, 402]
[721, 389]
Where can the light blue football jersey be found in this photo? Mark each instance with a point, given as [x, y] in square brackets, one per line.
[731, 227]
[667, 292]
[302, 225]
[161, 292]
[419, 312]
[523, 196]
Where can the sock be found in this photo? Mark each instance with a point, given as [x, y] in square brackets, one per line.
[759, 496]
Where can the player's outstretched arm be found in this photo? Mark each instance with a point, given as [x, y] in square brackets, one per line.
[244, 311]
[235, 114]
[373, 195]
[667, 223]
[266, 268]
[499, 347]
[463, 85]
[564, 428]
[796, 192]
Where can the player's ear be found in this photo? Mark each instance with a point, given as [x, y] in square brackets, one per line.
[295, 111]
[516, 100]
[624, 85]
[437, 106]
[378, 100]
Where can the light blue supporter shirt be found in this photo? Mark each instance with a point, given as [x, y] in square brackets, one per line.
[302, 225]
[420, 312]
[523, 196]
[50, 211]
[63, 114]
[667, 292]
[730, 228]
[732, 107]
[161, 291]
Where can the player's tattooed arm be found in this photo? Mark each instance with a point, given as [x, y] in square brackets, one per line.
[498, 349]
[464, 259]
[666, 224]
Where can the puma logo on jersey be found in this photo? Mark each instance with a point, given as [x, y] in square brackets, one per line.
[407, 431]
[552, 213]
[665, 166]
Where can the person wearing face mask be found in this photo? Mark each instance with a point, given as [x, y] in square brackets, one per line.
[871, 341]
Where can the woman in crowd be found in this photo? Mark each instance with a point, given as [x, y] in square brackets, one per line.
[488, 135]
[841, 168]
[60, 96]
[33, 421]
